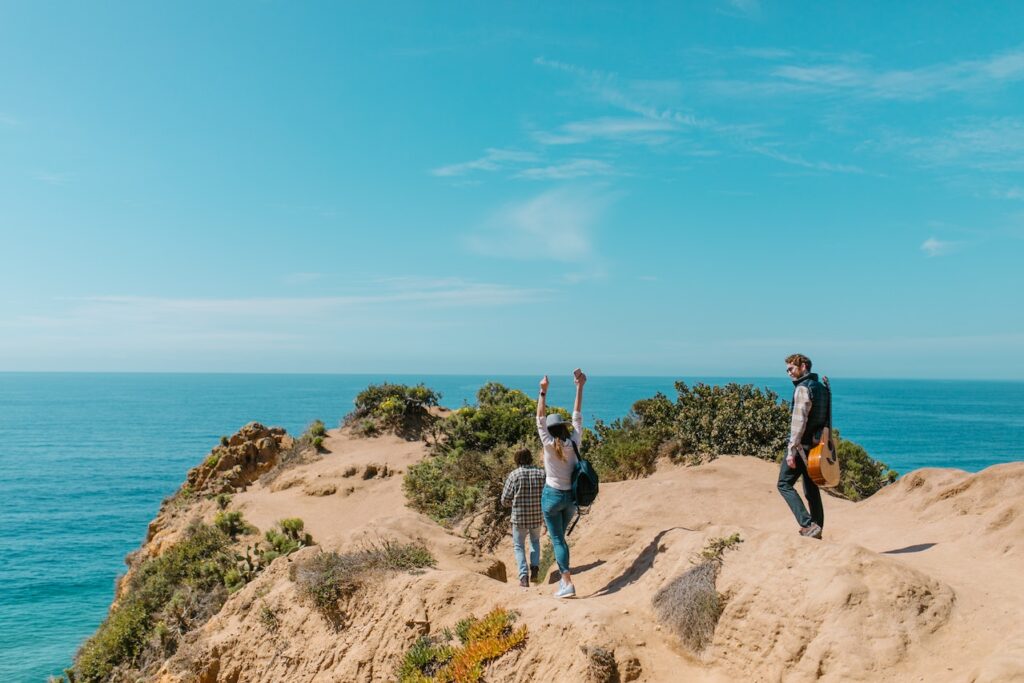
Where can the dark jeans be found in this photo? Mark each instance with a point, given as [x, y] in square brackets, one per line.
[787, 477]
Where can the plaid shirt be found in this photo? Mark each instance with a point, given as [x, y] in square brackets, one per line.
[522, 493]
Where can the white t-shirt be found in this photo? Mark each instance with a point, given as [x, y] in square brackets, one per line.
[558, 471]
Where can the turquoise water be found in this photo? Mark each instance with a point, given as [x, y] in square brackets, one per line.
[86, 459]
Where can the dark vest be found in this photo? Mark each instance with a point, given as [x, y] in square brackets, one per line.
[817, 419]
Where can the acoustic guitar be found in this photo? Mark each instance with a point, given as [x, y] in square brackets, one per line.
[823, 462]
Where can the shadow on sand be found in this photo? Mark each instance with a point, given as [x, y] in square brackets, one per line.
[643, 562]
[909, 549]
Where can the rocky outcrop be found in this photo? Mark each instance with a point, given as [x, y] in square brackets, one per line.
[246, 456]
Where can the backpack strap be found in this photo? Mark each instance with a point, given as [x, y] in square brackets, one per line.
[579, 510]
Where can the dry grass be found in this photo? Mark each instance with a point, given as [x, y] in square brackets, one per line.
[690, 605]
[327, 579]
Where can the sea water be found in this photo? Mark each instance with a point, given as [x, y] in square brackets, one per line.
[86, 459]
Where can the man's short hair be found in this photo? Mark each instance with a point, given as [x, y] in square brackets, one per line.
[799, 359]
[524, 457]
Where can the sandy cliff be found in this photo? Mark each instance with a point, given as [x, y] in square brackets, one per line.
[923, 581]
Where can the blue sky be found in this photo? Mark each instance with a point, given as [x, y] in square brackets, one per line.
[656, 188]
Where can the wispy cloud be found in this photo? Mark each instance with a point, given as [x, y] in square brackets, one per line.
[492, 160]
[995, 146]
[555, 225]
[421, 292]
[576, 168]
[904, 84]
[796, 160]
[611, 90]
[614, 128]
[933, 247]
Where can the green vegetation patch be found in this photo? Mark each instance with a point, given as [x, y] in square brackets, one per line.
[440, 659]
[395, 408]
[860, 475]
[172, 593]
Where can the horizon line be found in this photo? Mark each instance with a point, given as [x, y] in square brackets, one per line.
[780, 376]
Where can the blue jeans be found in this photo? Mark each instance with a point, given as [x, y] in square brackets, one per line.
[558, 511]
[519, 547]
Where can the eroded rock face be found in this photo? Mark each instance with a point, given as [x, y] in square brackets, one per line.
[249, 454]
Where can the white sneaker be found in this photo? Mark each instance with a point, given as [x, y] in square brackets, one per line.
[565, 590]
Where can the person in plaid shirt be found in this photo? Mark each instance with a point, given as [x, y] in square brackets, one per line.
[522, 491]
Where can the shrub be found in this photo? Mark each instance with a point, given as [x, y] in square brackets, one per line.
[316, 428]
[223, 441]
[502, 417]
[269, 618]
[232, 523]
[860, 475]
[623, 449]
[716, 547]
[183, 586]
[285, 539]
[690, 604]
[349, 472]
[471, 460]
[371, 471]
[327, 578]
[223, 500]
[732, 419]
[482, 640]
[396, 408]
[394, 556]
[317, 442]
[450, 485]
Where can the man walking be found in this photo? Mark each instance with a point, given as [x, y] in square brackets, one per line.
[810, 416]
[522, 492]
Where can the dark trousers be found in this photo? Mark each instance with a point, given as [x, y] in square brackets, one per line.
[787, 477]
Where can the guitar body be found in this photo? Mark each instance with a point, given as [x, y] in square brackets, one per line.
[823, 463]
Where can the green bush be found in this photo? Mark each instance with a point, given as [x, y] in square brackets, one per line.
[317, 428]
[623, 449]
[450, 485]
[189, 574]
[232, 524]
[396, 408]
[860, 475]
[502, 417]
[733, 419]
[285, 539]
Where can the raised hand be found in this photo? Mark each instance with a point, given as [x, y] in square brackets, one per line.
[544, 383]
[579, 377]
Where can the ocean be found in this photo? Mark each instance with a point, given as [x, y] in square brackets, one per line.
[85, 460]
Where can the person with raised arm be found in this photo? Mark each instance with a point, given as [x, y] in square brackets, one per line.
[561, 452]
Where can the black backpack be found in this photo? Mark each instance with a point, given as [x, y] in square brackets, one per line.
[585, 483]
